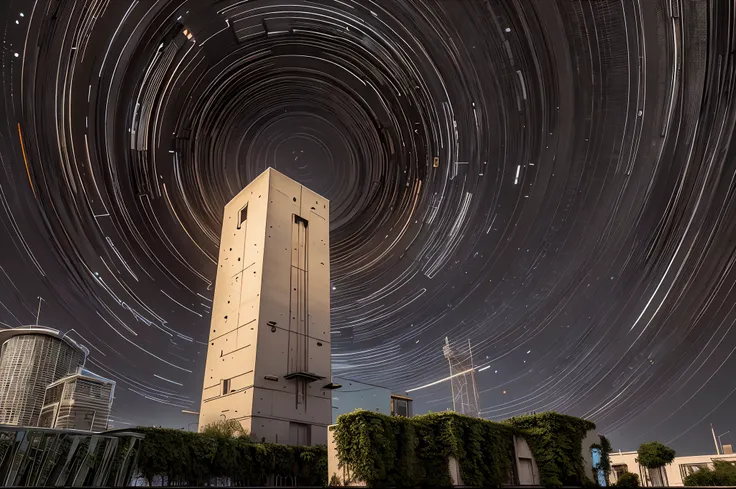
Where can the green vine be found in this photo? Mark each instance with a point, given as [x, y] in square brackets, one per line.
[186, 458]
[605, 463]
[556, 442]
[394, 451]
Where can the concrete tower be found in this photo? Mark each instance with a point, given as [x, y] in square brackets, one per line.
[268, 357]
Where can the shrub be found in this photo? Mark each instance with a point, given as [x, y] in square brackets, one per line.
[186, 458]
[627, 480]
[723, 473]
[225, 428]
[654, 455]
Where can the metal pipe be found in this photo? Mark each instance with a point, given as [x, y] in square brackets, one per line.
[718, 450]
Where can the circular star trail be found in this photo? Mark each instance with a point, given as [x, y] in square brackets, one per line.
[552, 181]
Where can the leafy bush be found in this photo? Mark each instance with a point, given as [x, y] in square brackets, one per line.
[654, 455]
[628, 480]
[186, 458]
[225, 428]
[723, 473]
[395, 451]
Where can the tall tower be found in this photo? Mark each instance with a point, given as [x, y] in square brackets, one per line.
[268, 357]
[462, 377]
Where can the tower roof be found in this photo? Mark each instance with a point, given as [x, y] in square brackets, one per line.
[9, 333]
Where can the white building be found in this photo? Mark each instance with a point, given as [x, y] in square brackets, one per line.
[674, 473]
[268, 357]
[81, 401]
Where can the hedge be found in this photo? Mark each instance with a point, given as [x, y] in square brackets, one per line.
[394, 451]
[187, 458]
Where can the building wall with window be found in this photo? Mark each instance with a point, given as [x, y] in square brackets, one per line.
[353, 394]
[81, 401]
[30, 359]
[674, 473]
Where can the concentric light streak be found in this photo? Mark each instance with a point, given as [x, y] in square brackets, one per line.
[552, 180]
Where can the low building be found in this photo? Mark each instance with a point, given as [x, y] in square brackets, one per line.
[32, 357]
[524, 467]
[81, 401]
[349, 395]
[673, 474]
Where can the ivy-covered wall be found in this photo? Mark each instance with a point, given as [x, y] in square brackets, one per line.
[392, 451]
[605, 463]
[186, 458]
[556, 440]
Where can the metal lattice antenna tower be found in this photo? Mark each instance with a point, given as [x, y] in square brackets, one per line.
[462, 377]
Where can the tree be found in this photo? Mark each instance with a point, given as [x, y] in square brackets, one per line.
[723, 473]
[628, 480]
[654, 456]
[225, 428]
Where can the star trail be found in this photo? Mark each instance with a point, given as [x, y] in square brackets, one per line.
[552, 180]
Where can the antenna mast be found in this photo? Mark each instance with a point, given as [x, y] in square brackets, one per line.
[38, 312]
[462, 376]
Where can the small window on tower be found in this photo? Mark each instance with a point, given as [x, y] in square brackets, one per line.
[243, 216]
[225, 386]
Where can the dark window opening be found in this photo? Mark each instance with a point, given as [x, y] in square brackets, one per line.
[225, 386]
[243, 216]
[299, 219]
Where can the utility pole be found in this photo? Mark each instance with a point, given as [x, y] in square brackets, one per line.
[715, 440]
[38, 312]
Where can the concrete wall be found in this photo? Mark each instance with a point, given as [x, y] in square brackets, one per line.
[271, 314]
[673, 471]
[358, 395]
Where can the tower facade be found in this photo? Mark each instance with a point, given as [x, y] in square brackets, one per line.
[462, 378]
[268, 356]
[32, 357]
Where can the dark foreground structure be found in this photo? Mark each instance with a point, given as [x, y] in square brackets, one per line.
[56, 458]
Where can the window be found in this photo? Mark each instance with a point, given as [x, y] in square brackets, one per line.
[400, 407]
[243, 215]
[689, 469]
[225, 386]
[618, 470]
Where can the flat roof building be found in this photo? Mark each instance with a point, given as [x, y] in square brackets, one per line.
[353, 394]
[268, 358]
[81, 401]
[31, 358]
[672, 474]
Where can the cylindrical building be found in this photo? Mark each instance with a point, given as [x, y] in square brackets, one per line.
[31, 358]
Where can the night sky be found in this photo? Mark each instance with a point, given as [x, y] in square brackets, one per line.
[554, 181]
